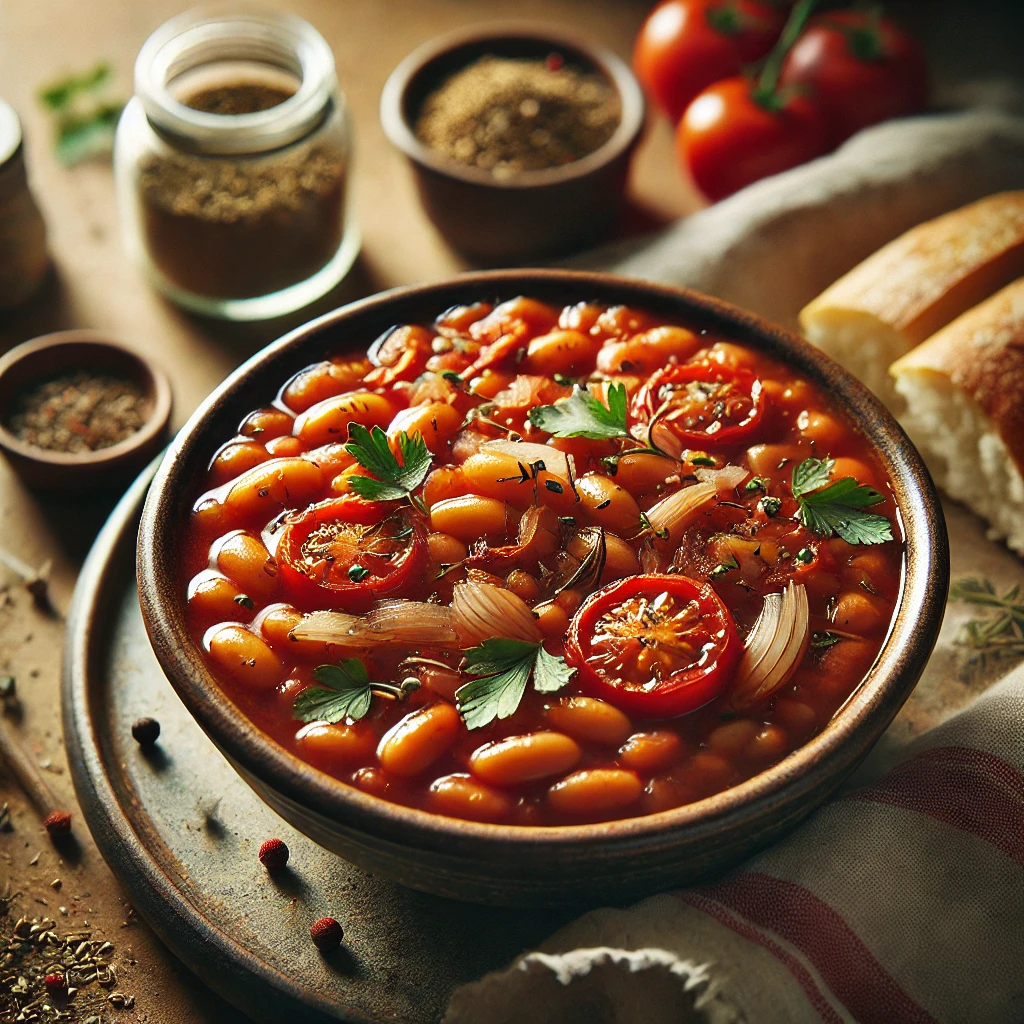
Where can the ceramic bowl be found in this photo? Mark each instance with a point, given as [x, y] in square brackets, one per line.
[515, 865]
[77, 472]
[535, 213]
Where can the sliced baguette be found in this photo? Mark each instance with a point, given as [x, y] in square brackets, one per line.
[964, 394]
[915, 285]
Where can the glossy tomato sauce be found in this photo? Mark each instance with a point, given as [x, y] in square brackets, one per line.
[615, 574]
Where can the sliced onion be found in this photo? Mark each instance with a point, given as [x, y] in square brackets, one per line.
[673, 514]
[481, 611]
[409, 623]
[529, 451]
[334, 628]
[725, 479]
[413, 622]
[774, 648]
[587, 574]
[663, 438]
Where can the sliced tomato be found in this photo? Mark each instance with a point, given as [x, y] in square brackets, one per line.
[703, 403]
[654, 646]
[347, 553]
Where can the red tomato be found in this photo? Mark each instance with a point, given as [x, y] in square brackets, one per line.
[728, 138]
[860, 71]
[685, 45]
[654, 646]
[703, 404]
[346, 553]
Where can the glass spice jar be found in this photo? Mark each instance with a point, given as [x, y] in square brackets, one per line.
[232, 164]
[24, 260]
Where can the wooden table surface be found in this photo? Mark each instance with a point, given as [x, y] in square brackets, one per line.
[94, 285]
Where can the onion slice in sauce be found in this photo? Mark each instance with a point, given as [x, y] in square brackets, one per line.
[527, 452]
[674, 513]
[410, 623]
[482, 611]
[774, 648]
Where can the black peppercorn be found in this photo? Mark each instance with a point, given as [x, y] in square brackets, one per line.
[146, 731]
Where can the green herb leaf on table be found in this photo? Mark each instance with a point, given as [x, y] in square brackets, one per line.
[395, 480]
[837, 508]
[503, 668]
[344, 692]
[583, 415]
[1002, 634]
[84, 119]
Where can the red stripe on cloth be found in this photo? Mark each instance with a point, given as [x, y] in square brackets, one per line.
[969, 789]
[802, 976]
[809, 924]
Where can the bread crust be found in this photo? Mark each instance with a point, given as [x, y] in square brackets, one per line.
[982, 353]
[932, 273]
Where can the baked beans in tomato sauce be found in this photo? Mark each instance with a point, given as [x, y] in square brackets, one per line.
[543, 566]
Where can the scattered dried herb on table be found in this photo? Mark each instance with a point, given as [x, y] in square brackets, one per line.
[31, 951]
[1000, 636]
[79, 412]
[510, 115]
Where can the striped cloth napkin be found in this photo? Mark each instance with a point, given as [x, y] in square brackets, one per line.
[901, 902]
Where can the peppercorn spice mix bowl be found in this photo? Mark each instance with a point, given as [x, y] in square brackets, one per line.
[487, 214]
[107, 421]
[609, 861]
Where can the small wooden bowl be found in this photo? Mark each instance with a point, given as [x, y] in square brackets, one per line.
[534, 213]
[67, 472]
[515, 865]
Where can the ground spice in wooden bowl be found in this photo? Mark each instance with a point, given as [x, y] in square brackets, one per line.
[80, 411]
[509, 115]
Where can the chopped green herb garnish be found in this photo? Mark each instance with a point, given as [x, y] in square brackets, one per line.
[770, 506]
[837, 508]
[825, 639]
[395, 480]
[345, 691]
[358, 573]
[805, 555]
[755, 484]
[504, 668]
[564, 380]
[583, 415]
[723, 568]
[702, 460]
[244, 601]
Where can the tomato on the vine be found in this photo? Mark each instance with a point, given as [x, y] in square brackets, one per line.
[860, 68]
[703, 403]
[685, 45]
[654, 646]
[346, 553]
[732, 135]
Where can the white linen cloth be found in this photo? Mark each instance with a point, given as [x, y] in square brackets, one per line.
[903, 899]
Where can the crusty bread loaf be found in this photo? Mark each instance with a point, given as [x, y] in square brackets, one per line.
[964, 394]
[915, 285]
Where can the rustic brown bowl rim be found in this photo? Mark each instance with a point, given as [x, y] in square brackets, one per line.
[832, 753]
[398, 130]
[152, 379]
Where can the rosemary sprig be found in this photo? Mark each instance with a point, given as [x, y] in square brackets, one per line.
[1002, 634]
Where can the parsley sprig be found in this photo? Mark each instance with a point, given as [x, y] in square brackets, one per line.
[345, 692]
[583, 415]
[395, 480]
[503, 668]
[837, 508]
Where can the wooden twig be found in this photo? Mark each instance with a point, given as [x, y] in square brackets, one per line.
[17, 762]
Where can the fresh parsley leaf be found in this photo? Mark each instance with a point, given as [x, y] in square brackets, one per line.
[583, 415]
[504, 668]
[550, 672]
[839, 507]
[344, 692]
[395, 480]
[811, 474]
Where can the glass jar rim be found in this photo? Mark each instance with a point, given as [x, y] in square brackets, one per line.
[205, 35]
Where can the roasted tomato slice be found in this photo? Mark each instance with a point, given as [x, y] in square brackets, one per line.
[703, 403]
[347, 553]
[654, 646]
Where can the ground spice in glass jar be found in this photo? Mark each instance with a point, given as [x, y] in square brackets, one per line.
[508, 115]
[79, 412]
[242, 226]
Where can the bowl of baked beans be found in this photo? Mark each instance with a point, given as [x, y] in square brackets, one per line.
[541, 587]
